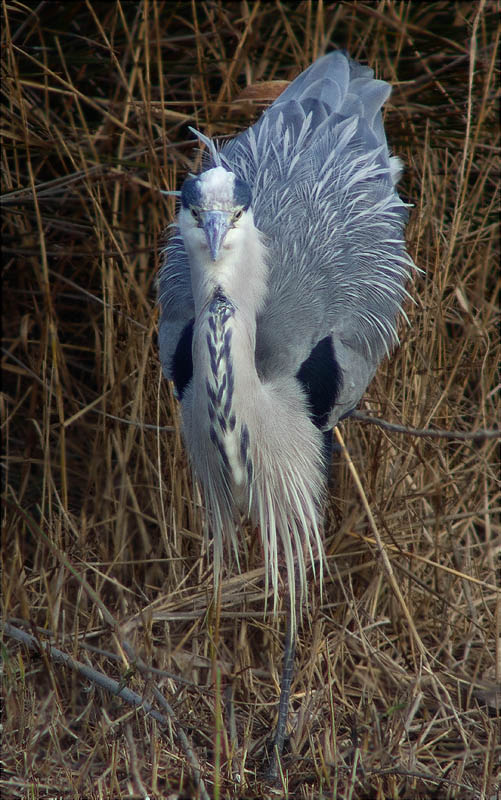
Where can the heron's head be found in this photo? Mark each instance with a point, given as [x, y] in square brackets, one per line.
[215, 213]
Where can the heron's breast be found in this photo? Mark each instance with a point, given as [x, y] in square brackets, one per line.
[228, 433]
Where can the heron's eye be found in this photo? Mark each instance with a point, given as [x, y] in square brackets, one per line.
[238, 214]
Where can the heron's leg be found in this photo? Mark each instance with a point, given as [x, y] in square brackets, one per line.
[285, 691]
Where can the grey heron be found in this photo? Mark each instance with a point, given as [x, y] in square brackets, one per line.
[279, 294]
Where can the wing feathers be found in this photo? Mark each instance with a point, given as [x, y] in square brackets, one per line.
[322, 179]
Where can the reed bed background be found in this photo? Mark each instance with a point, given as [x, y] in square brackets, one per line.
[397, 688]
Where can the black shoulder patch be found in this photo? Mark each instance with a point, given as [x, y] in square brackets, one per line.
[182, 360]
[321, 378]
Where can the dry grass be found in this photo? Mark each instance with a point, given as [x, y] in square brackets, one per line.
[396, 692]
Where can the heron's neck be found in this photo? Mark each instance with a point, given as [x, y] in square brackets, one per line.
[224, 351]
[228, 296]
[226, 387]
[240, 275]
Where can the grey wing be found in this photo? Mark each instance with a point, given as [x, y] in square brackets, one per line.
[323, 186]
[323, 182]
[177, 313]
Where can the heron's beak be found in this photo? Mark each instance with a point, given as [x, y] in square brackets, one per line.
[216, 225]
